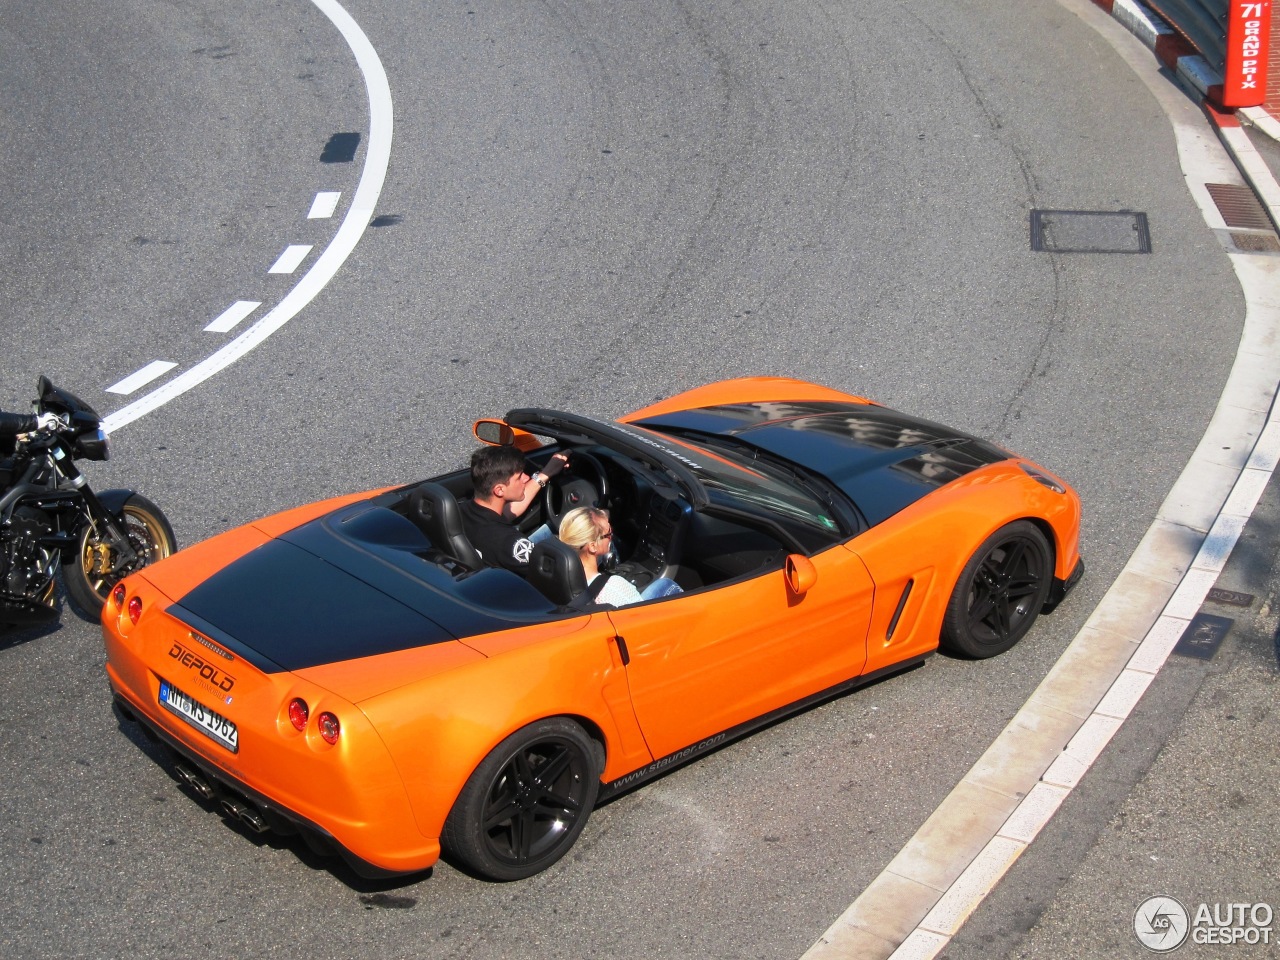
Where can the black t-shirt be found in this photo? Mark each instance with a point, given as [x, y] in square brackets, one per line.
[496, 538]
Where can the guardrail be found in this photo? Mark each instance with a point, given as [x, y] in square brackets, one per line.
[1232, 35]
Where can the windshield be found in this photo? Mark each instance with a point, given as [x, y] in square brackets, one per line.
[746, 477]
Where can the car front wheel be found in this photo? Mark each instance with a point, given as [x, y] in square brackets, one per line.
[524, 806]
[1000, 592]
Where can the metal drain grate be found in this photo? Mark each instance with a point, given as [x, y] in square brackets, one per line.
[1238, 206]
[1085, 231]
[1255, 242]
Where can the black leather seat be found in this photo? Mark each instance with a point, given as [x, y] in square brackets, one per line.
[554, 568]
[435, 510]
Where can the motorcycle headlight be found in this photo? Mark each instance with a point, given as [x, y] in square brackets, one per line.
[92, 446]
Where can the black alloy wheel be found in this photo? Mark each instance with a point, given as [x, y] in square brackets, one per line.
[1000, 593]
[524, 806]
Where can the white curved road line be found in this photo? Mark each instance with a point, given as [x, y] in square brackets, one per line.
[328, 263]
[923, 897]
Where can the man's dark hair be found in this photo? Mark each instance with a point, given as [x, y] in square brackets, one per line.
[491, 466]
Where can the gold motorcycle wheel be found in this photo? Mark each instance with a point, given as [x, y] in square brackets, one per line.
[95, 572]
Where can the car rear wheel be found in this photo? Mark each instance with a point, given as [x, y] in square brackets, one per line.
[524, 806]
[1000, 592]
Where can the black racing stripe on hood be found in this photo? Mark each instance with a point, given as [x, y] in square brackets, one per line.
[883, 460]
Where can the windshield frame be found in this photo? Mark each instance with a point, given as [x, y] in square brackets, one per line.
[745, 459]
[681, 455]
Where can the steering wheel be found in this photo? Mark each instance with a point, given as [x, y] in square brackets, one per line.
[582, 483]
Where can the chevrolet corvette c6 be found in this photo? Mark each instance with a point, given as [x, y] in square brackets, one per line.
[352, 671]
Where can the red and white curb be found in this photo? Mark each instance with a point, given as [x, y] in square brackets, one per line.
[926, 893]
[1170, 49]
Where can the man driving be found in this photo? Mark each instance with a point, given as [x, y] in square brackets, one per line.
[502, 492]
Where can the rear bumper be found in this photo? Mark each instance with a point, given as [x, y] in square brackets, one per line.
[1060, 588]
[235, 797]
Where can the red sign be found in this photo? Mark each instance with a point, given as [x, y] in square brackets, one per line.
[1244, 82]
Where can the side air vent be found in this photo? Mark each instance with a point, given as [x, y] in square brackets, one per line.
[897, 614]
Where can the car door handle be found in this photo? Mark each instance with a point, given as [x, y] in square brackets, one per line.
[622, 650]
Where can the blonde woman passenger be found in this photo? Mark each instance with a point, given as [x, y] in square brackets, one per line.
[588, 530]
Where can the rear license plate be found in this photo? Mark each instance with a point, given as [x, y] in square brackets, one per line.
[211, 724]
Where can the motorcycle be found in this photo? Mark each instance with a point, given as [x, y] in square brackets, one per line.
[51, 521]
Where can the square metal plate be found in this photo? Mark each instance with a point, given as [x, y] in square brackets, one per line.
[1203, 635]
[1085, 231]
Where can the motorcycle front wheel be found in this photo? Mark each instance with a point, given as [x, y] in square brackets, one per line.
[90, 578]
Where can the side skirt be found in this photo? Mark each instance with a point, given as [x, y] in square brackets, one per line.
[672, 760]
[1060, 588]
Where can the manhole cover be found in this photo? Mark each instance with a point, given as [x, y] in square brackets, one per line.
[1203, 635]
[1086, 231]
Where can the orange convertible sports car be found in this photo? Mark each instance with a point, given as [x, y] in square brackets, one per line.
[352, 671]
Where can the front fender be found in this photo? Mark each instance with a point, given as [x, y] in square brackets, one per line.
[114, 500]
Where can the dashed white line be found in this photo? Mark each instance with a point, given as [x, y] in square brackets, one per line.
[233, 315]
[317, 277]
[291, 259]
[323, 206]
[154, 369]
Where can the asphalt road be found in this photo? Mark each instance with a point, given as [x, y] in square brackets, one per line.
[587, 207]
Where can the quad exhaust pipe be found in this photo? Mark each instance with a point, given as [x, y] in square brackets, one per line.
[196, 782]
[250, 817]
[234, 808]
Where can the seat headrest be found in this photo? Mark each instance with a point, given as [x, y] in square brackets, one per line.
[554, 568]
[436, 512]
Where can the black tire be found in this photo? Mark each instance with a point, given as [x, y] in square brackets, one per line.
[524, 806]
[88, 578]
[1000, 593]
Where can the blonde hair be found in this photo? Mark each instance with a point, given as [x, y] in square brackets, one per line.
[582, 525]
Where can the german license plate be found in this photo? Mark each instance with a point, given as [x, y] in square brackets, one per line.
[211, 724]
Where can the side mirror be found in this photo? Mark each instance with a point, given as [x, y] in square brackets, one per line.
[801, 574]
[494, 432]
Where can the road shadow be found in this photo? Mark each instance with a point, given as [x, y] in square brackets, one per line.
[16, 636]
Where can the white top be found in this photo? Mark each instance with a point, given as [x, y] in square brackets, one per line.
[617, 591]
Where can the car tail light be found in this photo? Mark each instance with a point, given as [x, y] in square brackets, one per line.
[135, 609]
[298, 713]
[117, 595]
[329, 727]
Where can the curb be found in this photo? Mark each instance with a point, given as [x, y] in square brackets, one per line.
[1170, 48]
[1250, 162]
[923, 897]
[1176, 54]
[1264, 121]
